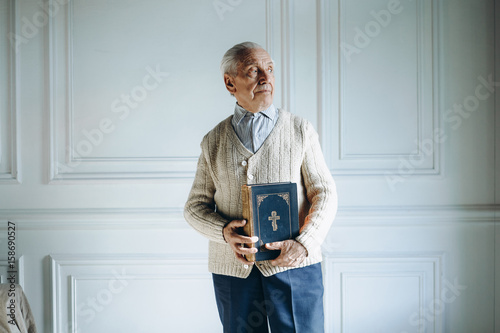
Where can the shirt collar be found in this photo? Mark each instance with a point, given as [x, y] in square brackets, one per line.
[240, 112]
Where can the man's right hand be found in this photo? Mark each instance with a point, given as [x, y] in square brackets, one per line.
[237, 241]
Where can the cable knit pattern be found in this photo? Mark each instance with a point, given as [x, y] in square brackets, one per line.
[291, 153]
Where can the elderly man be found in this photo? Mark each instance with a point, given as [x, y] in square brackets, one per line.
[262, 144]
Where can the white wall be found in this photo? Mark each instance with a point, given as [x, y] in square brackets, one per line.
[95, 180]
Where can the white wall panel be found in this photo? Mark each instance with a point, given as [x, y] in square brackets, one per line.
[110, 99]
[444, 76]
[305, 57]
[378, 106]
[463, 244]
[151, 293]
[9, 136]
[362, 290]
[394, 296]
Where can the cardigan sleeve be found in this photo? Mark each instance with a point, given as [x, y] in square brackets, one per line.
[18, 317]
[321, 193]
[200, 209]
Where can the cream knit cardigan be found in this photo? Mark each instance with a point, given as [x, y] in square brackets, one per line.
[291, 153]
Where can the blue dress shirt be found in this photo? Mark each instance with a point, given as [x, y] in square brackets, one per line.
[253, 129]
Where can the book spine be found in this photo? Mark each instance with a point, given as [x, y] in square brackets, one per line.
[248, 229]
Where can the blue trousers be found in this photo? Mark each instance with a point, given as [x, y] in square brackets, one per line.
[291, 301]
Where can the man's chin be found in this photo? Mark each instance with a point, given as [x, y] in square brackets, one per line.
[265, 106]
[266, 97]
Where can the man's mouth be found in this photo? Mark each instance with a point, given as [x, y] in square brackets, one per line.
[264, 88]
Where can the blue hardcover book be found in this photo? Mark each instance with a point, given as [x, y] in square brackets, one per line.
[272, 214]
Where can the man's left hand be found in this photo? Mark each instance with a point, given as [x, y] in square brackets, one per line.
[292, 253]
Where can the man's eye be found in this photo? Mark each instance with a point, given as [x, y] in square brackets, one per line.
[270, 70]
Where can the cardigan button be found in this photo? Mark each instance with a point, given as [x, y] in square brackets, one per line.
[250, 176]
[244, 163]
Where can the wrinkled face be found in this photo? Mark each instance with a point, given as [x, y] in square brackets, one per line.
[253, 86]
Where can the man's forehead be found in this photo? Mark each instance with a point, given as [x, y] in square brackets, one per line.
[256, 56]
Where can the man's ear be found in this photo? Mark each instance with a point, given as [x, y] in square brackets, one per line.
[229, 82]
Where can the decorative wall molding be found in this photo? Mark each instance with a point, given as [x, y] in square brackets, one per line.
[423, 270]
[410, 216]
[14, 160]
[496, 108]
[287, 56]
[95, 218]
[66, 167]
[172, 218]
[69, 270]
[4, 269]
[331, 110]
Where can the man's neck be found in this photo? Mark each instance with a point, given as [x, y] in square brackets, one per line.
[253, 110]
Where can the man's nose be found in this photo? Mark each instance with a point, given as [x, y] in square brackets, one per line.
[264, 77]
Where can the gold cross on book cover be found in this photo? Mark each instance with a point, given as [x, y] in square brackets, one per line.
[274, 218]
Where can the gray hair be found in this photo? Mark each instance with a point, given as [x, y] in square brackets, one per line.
[231, 59]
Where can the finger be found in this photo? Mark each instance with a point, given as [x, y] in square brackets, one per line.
[243, 260]
[237, 223]
[248, 240]
[241, 239]
[292, 262]
[297, 261]
[244, 250]
[274, 246]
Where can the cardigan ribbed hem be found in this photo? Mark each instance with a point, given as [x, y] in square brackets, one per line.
[237, 269]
